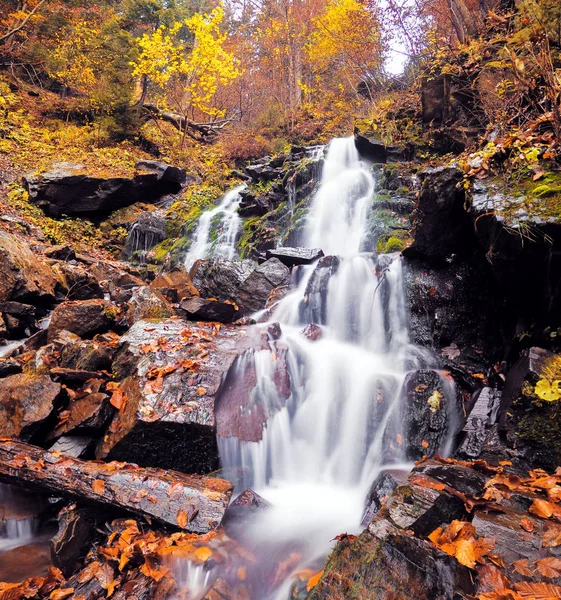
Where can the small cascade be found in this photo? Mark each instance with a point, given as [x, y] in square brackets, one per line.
[217, 230]
[15, 529]
[145, 233]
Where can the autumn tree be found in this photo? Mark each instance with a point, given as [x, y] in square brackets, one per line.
[188, 70]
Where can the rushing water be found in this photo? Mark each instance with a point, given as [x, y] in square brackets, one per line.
[223, 222]
[343, 421]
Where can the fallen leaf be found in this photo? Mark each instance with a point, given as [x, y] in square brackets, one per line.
[425, 444]
[201, 391]
[60, 594]
[98, 486]
[550, 567]
[182, 519]
[523, 568]
[313, 581]
[541, 508]
[242, 573]
[552, 537]
[527, 524]
[203, 553]
[537, 591]
[489, 579]
[465, 554]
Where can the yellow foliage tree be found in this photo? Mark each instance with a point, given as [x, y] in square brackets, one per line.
[188, 73]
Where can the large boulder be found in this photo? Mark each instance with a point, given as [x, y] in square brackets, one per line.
[173, 372]
[26, 400]
[145, 233]
[219, 278]
[82, 317]
[174, 285]
[23, 275]
[67, 190]
[255, 290]
[146, 303]
[441, 225]
[78, 281]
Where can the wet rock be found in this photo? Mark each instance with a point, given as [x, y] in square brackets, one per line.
[441, 225]
[166, 173]
[75, 535]
[255, 290]
[87, 415]
[26, 400]
[432, 416]
[387, 562]
[371, 148]
[238, 414]
[386, 482]
[170, 422]
[9, 366]
[60, 252]
[313, 332]
[115, 275]
[19, 319]
[249, 499]
[78, 281]
[314, 310]
[146, 303]
[478, 428]
[295, 256]
[174, 285]
[252, 205]
[86, 356]
[457, 304]
[66, 190]
[202, 309]
[241, 510]
[266, 170]
[219, 278]
[82, 317]
[24, 277]
[75, 446]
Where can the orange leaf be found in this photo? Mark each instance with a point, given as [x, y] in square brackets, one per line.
[537, 591]
[425, 444]
[550, 567]
[203, 553]
[527, 524]
[552, 537]
[182, 519]
[201, 391]
[60, 594]
[98, 486]
[541, 508]
[313, 581]
[242, 573]
[522, 568]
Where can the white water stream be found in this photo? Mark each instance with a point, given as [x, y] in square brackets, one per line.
[226, 212]
[343, 420]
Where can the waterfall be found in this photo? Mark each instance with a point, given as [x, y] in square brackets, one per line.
[224, 222]
[15, 530]
[343, 421]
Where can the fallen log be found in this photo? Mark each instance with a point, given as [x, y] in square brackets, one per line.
[192, 503]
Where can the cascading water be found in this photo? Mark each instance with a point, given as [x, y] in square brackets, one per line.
[223, 220]
[343, 420]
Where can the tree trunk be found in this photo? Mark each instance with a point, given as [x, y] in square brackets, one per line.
[190, 502]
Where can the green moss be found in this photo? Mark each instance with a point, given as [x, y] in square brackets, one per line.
[394, 245]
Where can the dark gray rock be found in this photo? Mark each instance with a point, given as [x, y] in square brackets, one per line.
[203, 309]
[295, 256]
[145, 233]
[255, 290]
[371, 148]
[219, 278]
[164, 172]
[67, 190]
[386, 482]
[441, 225]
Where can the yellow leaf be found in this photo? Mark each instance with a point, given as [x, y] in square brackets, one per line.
[548, 391]
[203, 553]
[465, 554]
